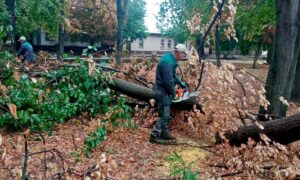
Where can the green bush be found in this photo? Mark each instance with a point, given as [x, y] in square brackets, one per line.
[67, 93]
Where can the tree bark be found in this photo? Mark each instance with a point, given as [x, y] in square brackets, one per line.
[145, 94]
[61, 36]
[61, 43]
[10, 6]
[200, 47]
[218, 52]
[121, 11]
[257, 52]
[285, 55]
[270, 53]
[296, 88]
[284, 131]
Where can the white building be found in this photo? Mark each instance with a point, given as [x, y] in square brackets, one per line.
[153, 42]
[41, 39]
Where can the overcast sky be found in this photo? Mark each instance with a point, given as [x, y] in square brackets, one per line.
[152, 9]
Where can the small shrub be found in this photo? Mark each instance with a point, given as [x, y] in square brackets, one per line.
[179, 167]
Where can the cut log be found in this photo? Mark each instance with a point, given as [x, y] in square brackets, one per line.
[145, 94]
[284, 131]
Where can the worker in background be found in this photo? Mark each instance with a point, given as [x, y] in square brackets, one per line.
[25, 53]
[164, 89]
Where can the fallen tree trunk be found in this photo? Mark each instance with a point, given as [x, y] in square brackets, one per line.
[145, 94]
[284, 131]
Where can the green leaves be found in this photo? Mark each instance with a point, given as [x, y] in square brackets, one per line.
[4, 20]
[135, 26]
[38, 14]
[94, 139]
[174, 14]
[67, 93]
[251, 18]
[179, 167]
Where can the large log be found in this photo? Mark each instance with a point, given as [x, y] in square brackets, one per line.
[145, 94]
[284, 131]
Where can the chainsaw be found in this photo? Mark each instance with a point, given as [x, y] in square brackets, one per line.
[182, 94]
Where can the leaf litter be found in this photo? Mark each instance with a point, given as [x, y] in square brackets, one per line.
[127, 154]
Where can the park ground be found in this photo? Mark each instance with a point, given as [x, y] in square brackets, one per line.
[126, 153]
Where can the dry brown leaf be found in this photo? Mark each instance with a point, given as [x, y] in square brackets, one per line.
[3, 155]
[265, 138]
[16, 75]
[3, 90]
[92, 66]
[152, 102]
[13, 110]
[26, 132]
[34, 80]
[258, 125]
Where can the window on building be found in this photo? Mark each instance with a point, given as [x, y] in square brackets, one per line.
[162, 44]
[141, 43]
[169, 44]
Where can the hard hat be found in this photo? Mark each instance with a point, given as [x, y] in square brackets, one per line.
[22, 38]
[180, 48]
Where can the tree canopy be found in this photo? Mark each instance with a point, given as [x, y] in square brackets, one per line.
[4, 27]
[37, 14]
[94, 20]
[174, 14]
[135, 25]
[253, 16]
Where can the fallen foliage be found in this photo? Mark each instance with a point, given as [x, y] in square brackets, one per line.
[227, 98]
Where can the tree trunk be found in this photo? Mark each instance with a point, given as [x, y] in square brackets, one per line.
[284, 131]
[61, 43]
[285, 55]
[145, 94]
[218, 46]
[61, 35]
[121, 11]
[200, 47]
[10, 6]
[201, 41]
[270, 52]
[296, 85]
[257, 52]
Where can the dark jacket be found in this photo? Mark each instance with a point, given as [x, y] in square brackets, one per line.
[166, 79]
[26, 51]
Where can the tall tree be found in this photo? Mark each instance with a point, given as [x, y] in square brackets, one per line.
[91, 20]
[296, 85]
[282, 70]
[4, 22]
[135, 24]
[37, 14]
[121, 12]
[176, 18]
[253, 18]
[61, 33]
[10, 5]
[194, 19]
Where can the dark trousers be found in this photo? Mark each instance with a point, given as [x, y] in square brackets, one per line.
[163, 119]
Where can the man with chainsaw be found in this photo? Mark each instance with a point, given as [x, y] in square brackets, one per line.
[164, 89]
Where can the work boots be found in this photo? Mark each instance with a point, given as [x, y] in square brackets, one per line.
[164, 138]
[165, 135]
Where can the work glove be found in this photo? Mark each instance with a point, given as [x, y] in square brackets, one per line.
[184, 86]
